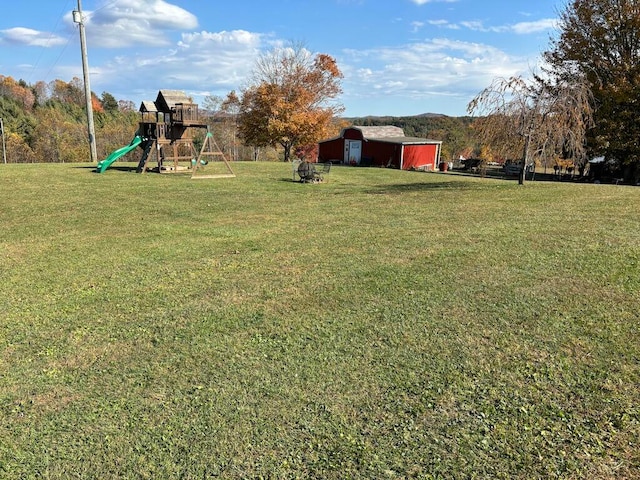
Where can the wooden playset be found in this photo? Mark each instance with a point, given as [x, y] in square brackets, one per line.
[169, 130]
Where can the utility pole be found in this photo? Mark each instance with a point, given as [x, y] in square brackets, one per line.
[4, 145]
[77, 18]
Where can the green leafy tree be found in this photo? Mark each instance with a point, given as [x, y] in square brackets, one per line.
[16, 118]
[109, 103]
[291, 100]
[599, 41]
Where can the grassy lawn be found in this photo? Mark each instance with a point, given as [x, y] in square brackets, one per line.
[385, 324]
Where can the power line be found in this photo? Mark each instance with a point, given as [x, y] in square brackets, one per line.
[65, 8]
[42, 49]
[70, 35]
[60, 54]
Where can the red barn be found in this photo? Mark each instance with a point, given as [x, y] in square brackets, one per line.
[380, 146]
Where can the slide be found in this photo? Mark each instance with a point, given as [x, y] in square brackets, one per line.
[106, 163]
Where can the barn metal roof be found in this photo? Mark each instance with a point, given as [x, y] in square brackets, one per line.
[405, 140]
[384, 131]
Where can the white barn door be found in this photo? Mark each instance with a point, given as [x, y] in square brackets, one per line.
[352, 152]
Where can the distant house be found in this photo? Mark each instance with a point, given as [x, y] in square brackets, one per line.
[384, 146]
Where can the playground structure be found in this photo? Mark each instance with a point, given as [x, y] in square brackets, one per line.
[168, 130]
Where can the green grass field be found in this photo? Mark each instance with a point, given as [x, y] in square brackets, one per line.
[384, 324]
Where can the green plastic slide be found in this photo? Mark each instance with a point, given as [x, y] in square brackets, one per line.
[106, 163]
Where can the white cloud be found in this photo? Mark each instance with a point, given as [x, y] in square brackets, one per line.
[30, 37]
[200, 63]
[444, 24]
[236, 40]
[420, 71]
[524, 28]
[123, 23]
[416, 26]
[474, 25]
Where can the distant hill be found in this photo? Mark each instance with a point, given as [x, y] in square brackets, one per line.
[432, 115]
[388, 117]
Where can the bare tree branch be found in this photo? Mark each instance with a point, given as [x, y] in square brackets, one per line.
[534, 119]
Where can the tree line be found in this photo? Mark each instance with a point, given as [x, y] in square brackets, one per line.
[46, 122]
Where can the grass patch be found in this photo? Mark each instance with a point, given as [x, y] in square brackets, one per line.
[385, 324]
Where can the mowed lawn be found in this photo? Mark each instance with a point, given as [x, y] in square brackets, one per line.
[384, 324]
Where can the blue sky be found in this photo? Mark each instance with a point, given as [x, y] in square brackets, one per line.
[398, 57]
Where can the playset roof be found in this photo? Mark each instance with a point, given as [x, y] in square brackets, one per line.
[148, 106]
[167, 99]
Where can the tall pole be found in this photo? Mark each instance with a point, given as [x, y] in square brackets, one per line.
[4, 146]
[77, 18]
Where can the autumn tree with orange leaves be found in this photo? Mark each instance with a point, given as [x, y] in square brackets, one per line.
[291, 100]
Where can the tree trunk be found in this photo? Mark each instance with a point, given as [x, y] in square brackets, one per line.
[287, 151]
[523, 170]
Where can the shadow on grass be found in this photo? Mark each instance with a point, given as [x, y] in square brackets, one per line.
[118, 168]
[452, 184]
[123, 168]
[424, 187]
[495, 174]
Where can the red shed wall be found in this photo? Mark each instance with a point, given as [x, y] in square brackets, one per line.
[381, 153]
[331, 150]
[416, 156]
